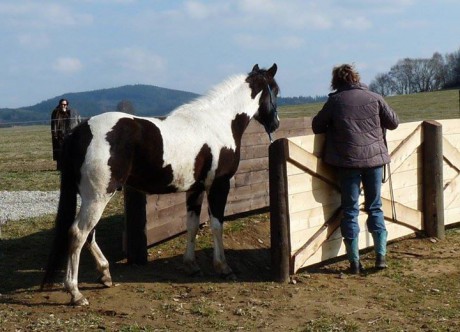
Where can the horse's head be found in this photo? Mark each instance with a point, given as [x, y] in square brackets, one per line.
[262, 80]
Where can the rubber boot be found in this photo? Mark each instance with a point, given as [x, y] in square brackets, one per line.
[351, 246]
[380, 248]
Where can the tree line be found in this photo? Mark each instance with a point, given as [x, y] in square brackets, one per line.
[419, 75]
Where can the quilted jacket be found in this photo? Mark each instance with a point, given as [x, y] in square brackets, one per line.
[355, 121]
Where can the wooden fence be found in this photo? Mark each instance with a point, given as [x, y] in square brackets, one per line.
[305, 197]
[151, 219]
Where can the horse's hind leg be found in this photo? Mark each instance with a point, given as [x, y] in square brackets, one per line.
[102, 264]
[194, 201]
[87, 218]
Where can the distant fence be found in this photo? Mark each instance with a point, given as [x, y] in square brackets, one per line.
[151, 219]
[305, 197]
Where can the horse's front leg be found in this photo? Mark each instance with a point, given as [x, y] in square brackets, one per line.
[217, 199]
[194, 199]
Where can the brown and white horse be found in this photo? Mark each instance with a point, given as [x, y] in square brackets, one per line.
[194, 149]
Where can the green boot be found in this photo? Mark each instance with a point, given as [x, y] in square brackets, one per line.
[380, 248]
[351, 246]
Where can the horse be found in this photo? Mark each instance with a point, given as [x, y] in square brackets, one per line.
[195, 149]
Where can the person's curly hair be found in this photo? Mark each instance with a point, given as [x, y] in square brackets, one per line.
[344, 75]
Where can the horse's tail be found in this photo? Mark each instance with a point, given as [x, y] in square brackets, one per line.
[65, 215]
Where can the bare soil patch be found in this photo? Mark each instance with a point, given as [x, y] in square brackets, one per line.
[419, 292]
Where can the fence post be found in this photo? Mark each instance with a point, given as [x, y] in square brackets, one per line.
[433, 195]
[135, 221]
[279, 216]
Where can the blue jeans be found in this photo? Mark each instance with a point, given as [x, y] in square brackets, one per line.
[350, 181]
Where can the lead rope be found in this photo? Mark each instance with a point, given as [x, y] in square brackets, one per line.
[274, 110]
[390, 182]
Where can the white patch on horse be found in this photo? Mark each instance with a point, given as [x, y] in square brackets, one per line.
[98, 154]
[208, 118]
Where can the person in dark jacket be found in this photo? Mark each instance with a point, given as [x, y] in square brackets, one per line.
[354, 120]
[63, 120]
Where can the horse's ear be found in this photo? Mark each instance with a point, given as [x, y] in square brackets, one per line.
[255, 68]
[272, 70]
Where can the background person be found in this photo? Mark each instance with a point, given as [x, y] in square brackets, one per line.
[63, 120]
[354, 120]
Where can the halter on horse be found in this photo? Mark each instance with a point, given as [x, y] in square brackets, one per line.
[194, 149]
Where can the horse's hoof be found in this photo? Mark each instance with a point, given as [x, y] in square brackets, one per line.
[80, 302]
[106, 281]
[192, 269]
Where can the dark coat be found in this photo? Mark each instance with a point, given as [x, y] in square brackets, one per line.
[61, 125]
[354, 120]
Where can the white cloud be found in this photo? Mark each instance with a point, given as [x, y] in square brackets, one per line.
[357, 23]
[201, 11]
[34, 40]
[41, 15]
[256, 42]
[138, 60]
[67, 65]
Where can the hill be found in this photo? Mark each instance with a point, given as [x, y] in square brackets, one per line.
[147, 100]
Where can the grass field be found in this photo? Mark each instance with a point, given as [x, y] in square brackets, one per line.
[421, 106]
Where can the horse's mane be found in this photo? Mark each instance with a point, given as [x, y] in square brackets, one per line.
[214, 97]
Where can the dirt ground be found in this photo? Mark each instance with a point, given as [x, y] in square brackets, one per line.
[420, 291]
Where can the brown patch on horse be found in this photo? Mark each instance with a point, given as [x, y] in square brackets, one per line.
[203, 163]
[138, 140]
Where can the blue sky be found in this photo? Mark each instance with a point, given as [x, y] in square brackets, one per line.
[49, 48]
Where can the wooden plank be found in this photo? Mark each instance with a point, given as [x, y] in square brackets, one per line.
[303, 220]
[244, 179]
[312, 143]
[255, 164]
[403, 131]
[451, 154]
[406, 216]
[413, 162]
[407, 147]
[305, 182]
[452, 215]
[255, 151]
[404, 179]
[452, 193]
[450, 126]
[315, 241]
[312, 199]
[404, 195]
[311, 163]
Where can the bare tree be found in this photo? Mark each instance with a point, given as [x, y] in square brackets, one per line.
[452, 70]
[402, 76]
[382, 84]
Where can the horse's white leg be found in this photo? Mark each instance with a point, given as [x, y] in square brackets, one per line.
[219, 261]
[102, 264]
[194, 201]
[88, 216]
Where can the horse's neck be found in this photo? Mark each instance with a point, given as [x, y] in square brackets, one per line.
[228, 103]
